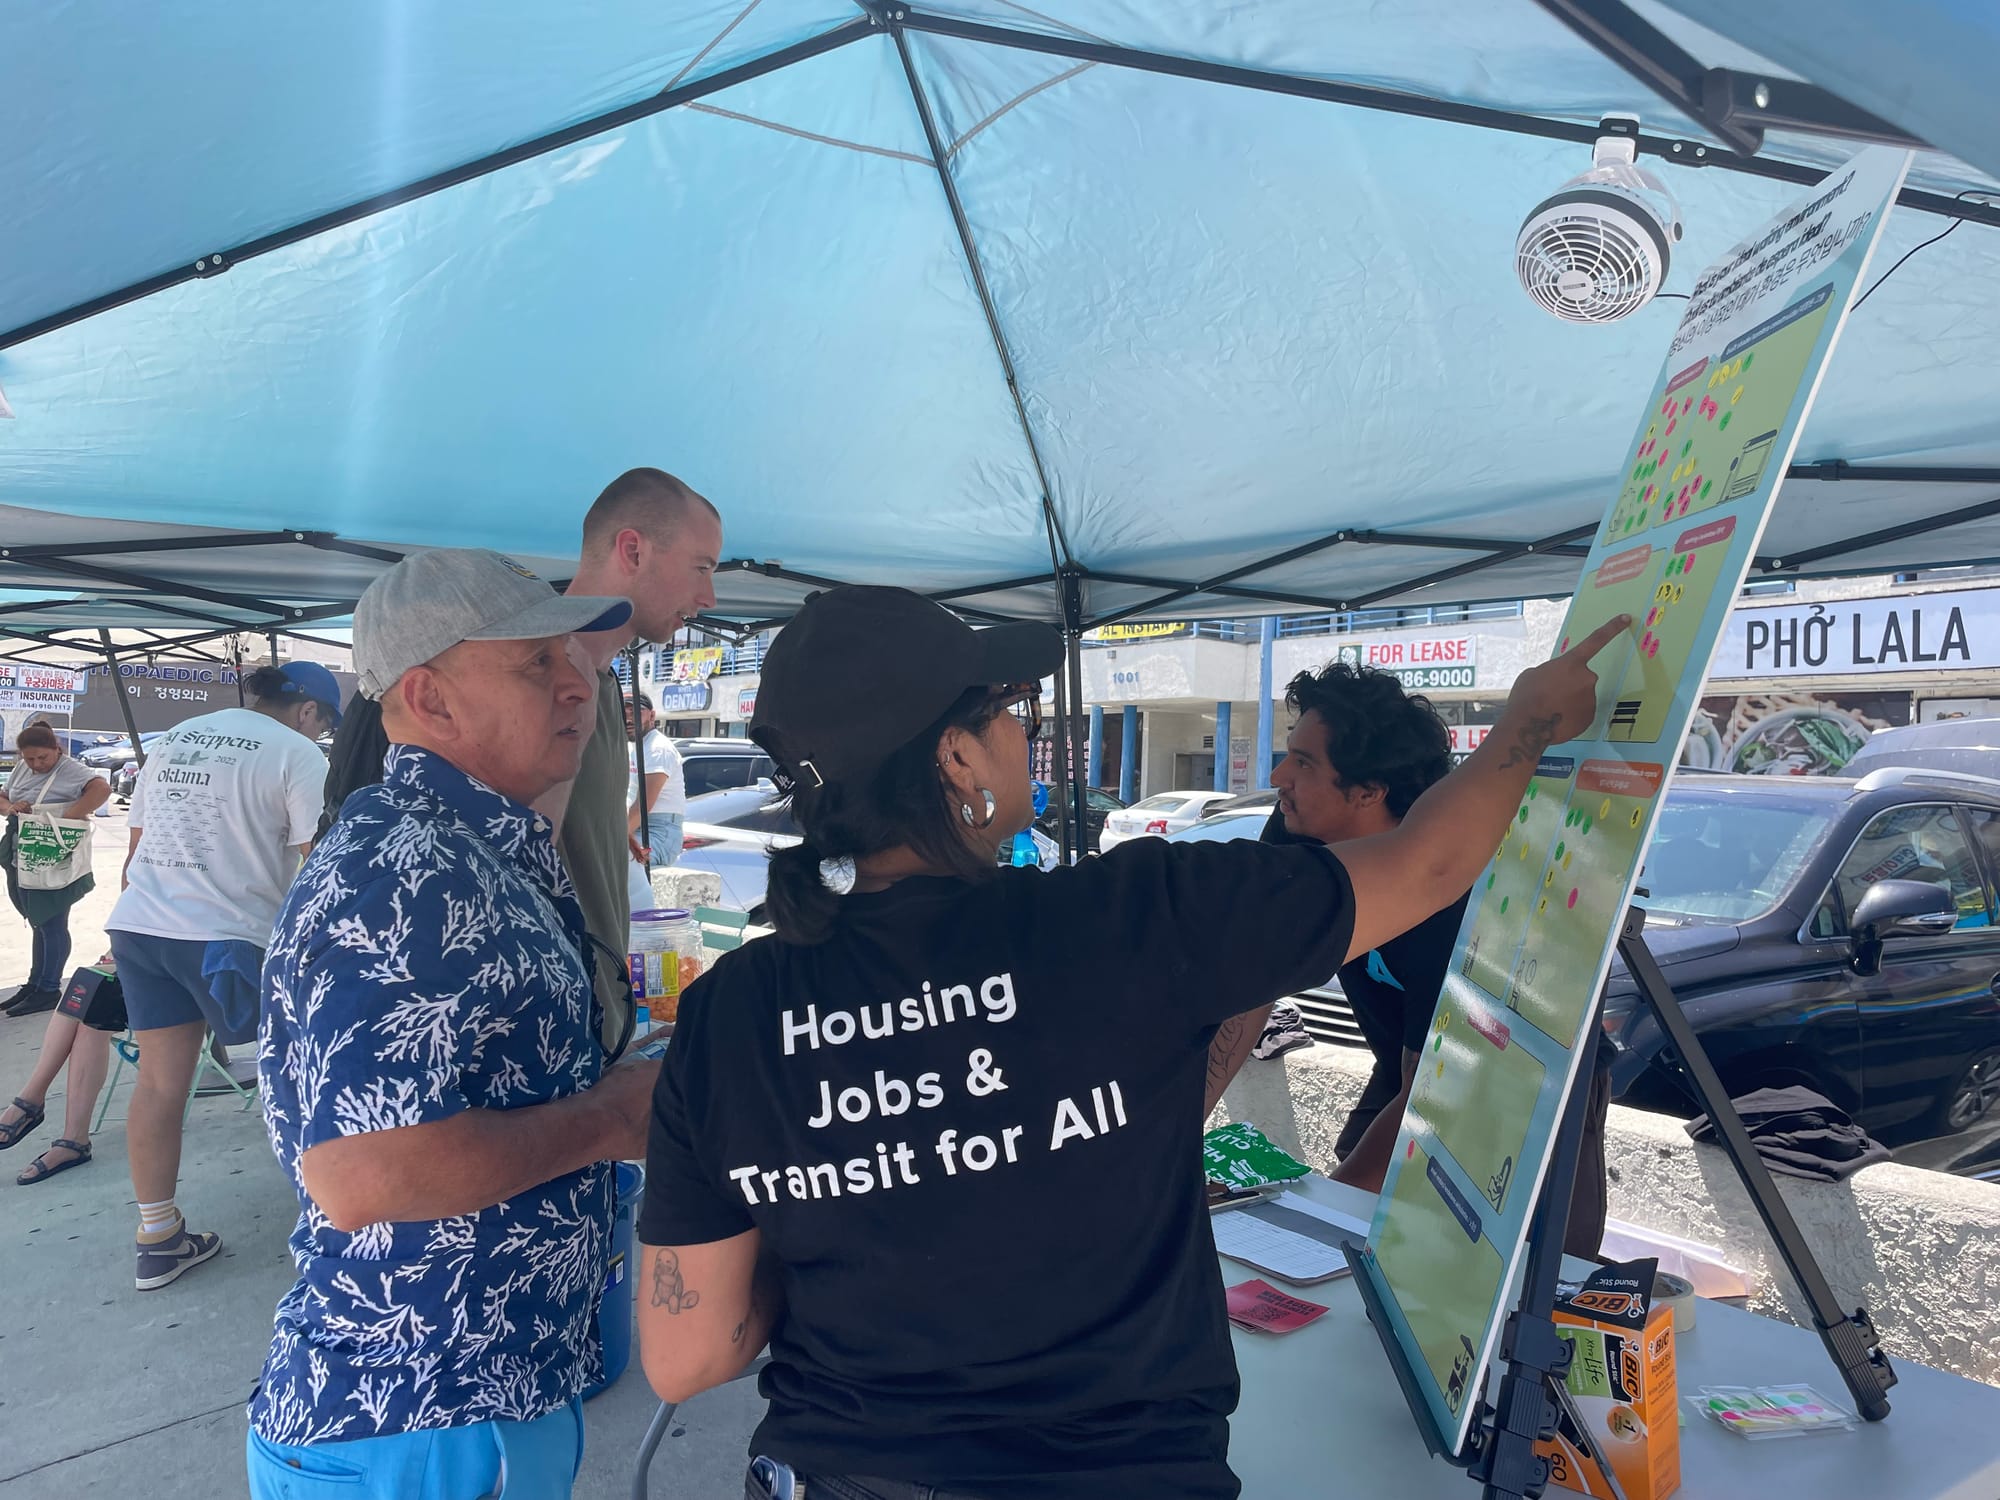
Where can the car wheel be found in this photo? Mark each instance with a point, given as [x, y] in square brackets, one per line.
[1973, 1096]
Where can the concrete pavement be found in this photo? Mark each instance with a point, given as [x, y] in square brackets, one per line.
[107, 1389]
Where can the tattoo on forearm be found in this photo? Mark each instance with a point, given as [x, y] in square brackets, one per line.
[1223, 1048]
[669, 1290]
[1536, 736]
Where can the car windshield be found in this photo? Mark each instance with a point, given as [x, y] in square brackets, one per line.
[1731, 858]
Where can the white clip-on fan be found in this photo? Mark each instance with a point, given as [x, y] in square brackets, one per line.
[1600, 248]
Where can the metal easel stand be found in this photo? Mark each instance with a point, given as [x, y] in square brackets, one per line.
[1849, 1338]
[1499, 1451]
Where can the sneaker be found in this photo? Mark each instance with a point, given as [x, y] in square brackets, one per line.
[163, 1262]
[31, 1000]
[1284, 1032]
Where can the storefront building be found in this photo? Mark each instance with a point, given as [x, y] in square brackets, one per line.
[1805, 672]
[1796, 687]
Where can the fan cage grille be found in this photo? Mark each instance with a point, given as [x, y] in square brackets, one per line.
[1586, 267]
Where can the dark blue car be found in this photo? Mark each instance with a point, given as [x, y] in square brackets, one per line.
[1836, 934]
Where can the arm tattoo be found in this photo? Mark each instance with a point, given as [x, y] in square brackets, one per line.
[1535, 737]
[669, 1290]
[1223, 1048]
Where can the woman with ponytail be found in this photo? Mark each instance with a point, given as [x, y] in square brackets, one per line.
[938, 1141]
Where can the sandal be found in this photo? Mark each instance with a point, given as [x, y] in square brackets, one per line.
[31, 1116]
[38, 1170]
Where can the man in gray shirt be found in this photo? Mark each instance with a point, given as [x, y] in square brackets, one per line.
[651, 539]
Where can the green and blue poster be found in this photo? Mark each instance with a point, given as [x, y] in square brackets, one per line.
[1716, 436]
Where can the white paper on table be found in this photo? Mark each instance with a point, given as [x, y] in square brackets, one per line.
[1277, 1251]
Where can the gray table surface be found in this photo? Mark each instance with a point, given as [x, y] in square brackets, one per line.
[1322, 1414]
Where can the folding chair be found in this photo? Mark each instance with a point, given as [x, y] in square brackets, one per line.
[126, 1048]
[721, 929]
[662, 1420]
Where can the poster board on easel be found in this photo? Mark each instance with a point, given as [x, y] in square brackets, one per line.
[1716, 437]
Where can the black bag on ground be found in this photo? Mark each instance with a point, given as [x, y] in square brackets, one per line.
[96, 999]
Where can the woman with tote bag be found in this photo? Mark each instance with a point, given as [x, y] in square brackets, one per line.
[46, 785]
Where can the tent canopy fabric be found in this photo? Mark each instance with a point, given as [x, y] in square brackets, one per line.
[1162, 306]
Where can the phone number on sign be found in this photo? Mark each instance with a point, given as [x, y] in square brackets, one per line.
[1435, 677]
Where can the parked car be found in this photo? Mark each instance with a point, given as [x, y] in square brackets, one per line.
[711, 765]
[1830, 933]
[1968, 746]
[726, 804]
[1834, 933]
[1099, 805]
[1162, 813]
[737, 848]
[110, 756]
[80, 742]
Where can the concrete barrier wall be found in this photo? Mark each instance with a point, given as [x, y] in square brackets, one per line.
[1920, 1250]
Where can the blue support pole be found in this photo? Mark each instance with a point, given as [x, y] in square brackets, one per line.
[1096, 769]
[1222, 747]
[1128, 762]
[1261, 771]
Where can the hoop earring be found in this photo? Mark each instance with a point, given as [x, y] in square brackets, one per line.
[965, 811]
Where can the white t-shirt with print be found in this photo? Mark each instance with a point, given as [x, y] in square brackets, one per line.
[220, 806]
[661, 758]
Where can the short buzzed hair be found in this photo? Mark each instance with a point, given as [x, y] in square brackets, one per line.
[649, 501]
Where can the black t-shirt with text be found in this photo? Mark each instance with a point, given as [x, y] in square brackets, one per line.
[968, 1126]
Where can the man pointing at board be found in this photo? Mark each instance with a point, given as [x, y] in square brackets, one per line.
[1361, 752]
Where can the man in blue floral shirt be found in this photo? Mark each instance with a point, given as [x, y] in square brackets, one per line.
[431, 1071]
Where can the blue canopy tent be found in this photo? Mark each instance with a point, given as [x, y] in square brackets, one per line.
[1080, 310]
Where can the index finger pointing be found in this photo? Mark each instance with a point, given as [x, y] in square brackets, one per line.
[1601, 637]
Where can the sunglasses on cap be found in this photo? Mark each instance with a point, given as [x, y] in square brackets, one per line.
[1024, 701]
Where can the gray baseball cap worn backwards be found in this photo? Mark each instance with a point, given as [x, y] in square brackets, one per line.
[430, 601]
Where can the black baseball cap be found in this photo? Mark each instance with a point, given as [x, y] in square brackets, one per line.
[861, 671]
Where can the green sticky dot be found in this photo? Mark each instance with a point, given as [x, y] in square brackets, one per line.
[1491, 878]
[1524, 815]
[1559, 849]
[1503, 905]
[1570, 821]
[1438, 1045]
[1724, 423]
[1531, 791]
[1687, 447]
[1706, 487]
[1747, 360]
[1586, 822]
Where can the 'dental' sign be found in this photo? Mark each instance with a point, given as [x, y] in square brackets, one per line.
[1901, 633]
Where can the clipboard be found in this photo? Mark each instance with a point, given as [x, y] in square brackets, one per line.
[1303, 1245]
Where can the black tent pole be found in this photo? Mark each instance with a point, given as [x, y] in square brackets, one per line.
[124, 703]
[1059, 764]
[1073, 667]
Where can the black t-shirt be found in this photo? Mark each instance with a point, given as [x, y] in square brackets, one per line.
[1035, 1310]
[1393, 989]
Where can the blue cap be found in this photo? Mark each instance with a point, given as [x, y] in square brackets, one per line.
[308, 679]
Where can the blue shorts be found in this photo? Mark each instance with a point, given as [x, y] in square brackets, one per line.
[164, 986]
[516, 1460]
